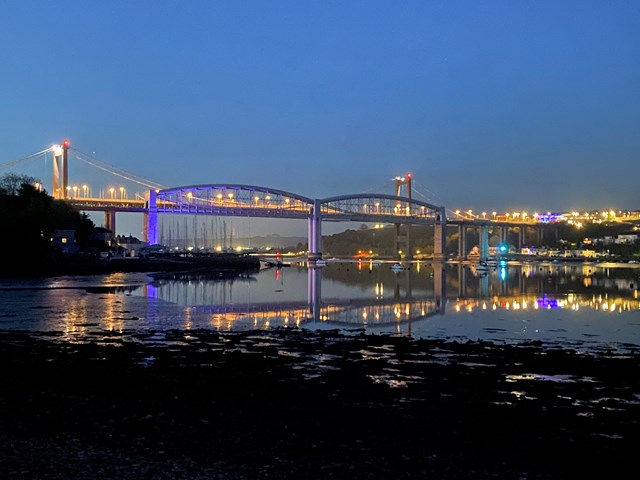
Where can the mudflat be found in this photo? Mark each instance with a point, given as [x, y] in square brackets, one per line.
[292, 403]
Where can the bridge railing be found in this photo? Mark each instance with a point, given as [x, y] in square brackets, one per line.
[384, 207]
[233, 200]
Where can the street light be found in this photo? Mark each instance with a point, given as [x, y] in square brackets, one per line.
[121, 193]
[112, 192]
[75, 190]
[84, 190]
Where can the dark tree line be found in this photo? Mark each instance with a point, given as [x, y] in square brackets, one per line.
[29, 218]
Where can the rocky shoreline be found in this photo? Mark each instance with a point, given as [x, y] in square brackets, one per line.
[299, 404]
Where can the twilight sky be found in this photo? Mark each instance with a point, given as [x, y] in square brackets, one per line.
[493, 105]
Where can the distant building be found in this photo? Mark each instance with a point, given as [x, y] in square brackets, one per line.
[101, 236]
[66, 240]
[626, 238]
[131, 244]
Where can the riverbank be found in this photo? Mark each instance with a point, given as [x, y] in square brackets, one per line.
[91, 265]
[298, 404]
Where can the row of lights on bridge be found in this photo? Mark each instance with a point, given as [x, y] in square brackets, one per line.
[498, 216]
[84, 191]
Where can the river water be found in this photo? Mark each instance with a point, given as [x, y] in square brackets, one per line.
[587, 306]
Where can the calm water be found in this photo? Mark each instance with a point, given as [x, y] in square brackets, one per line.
[586, 306]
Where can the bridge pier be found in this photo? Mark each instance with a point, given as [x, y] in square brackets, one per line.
[484, 242]
[403, 241]
[440, 237]
[462, 242]
[110, 221]
[522, 236]
[150, 229]
[315, 233]
[504, 235]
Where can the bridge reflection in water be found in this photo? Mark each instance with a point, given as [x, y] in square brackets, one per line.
[215, 296]
[393, 301]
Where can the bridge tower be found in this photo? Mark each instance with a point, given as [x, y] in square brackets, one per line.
[60, 182]
[403, 230]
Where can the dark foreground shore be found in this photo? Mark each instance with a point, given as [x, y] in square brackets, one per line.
[297, 404]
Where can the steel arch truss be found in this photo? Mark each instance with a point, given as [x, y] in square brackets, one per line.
[233, 200]
[381, 208]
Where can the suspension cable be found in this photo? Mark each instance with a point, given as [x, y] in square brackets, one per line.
[26, 158]
[115, 171]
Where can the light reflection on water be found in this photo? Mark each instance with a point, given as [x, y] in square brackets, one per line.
[583, 305]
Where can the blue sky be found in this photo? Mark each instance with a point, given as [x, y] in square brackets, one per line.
[491, 104]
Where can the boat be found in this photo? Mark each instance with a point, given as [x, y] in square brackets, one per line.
[397, 267]
[482, 266]
[319, 263]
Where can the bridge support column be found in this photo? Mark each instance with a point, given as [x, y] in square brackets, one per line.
[403, 241]
[484, 242]
[55, 184]
[504, 235]
[315, 233]
[150, 229]
[462, 242]
[522, 236]
[110, 221]
[440, 237]
[539, 236]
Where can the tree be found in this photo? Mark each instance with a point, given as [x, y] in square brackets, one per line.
[11, 183]
[29, 218]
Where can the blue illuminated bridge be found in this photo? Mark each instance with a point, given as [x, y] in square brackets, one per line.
[255, 201]
[222, 199]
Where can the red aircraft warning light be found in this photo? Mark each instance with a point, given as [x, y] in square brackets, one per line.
[65, 143]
